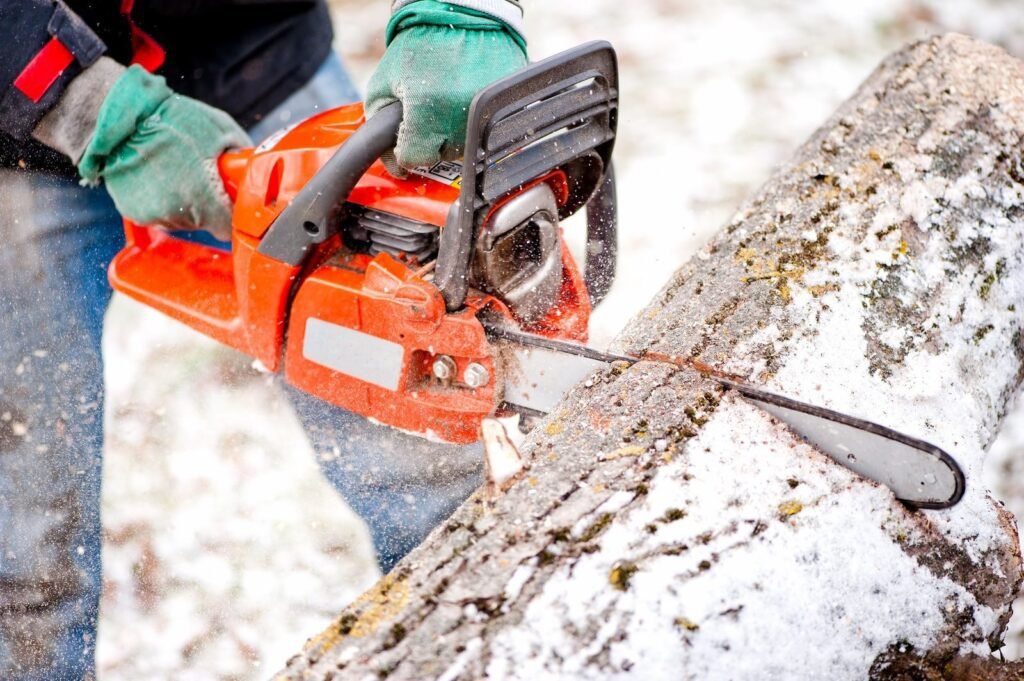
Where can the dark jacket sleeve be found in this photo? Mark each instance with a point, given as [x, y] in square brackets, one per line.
[243, 56]
[152, 9]
[44, 46]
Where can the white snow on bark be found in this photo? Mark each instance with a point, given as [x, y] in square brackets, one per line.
[959, 357]
[808, 558]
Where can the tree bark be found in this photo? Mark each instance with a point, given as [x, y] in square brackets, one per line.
[668, 529]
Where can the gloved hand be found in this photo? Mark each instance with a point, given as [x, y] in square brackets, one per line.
[438, 57]
[157, 154]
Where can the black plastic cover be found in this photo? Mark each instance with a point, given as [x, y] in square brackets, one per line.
[561, 112]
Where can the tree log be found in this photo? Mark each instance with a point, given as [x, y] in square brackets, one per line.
[668, 529]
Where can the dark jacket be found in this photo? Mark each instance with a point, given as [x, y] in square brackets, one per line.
[243, 56]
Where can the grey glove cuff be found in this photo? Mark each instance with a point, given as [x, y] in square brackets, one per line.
[70, 124]
[509, 11]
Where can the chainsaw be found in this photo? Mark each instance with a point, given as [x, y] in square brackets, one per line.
[433, 302]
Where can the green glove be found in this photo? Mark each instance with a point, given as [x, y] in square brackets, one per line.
[438, 57]
[157, 154]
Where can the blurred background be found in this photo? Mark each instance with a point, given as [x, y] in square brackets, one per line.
[224, 550]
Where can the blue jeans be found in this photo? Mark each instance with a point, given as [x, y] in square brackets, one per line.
[56, 241]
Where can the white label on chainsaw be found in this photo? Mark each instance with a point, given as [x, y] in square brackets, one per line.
[446, 172]
[354, 353]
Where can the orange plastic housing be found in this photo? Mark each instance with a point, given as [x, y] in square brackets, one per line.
[358, 331]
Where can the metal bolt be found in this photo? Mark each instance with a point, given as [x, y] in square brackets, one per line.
[444, 368]
[476, 376]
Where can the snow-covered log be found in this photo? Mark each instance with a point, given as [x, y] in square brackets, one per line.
[668, 530]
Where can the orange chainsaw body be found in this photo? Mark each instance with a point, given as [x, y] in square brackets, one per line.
[357, 329]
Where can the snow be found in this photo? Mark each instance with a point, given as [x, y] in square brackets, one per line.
[840, 573]
[224, 549]
[459, 665]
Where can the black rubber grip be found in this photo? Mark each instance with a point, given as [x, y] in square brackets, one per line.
[306, 220]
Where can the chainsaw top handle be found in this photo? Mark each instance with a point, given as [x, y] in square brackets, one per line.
[560, 112]
[306, 220]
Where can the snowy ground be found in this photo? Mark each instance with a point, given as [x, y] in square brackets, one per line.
[224, 549]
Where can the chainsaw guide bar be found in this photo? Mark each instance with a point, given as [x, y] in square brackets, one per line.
[918, 473]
